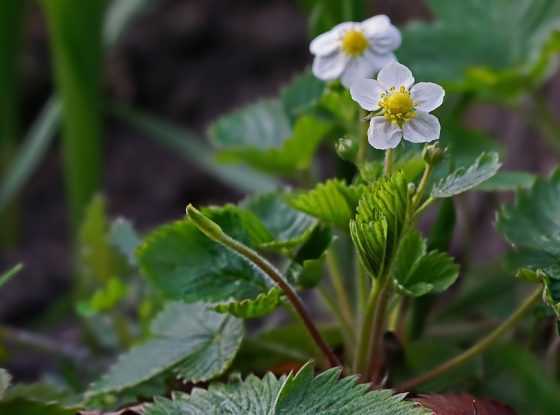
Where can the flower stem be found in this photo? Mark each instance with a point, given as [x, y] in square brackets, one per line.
[360, 360]
[213, 231]
[422, 186]
[478, 348]
[376, 351]
[389, 161]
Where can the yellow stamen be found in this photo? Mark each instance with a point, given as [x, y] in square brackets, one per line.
[354, 43]
[397, 106]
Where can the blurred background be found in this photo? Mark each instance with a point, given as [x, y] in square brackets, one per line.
[185, 62]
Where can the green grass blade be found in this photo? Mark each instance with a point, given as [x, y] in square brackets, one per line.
[31, 152]
[8, 275]
[192, 149]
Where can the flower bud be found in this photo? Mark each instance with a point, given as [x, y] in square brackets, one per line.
[433, 154]
[204, 224]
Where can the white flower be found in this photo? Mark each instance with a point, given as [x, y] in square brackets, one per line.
[401, 110]
[351, 51]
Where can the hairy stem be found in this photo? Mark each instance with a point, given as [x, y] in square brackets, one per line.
[360, 361]
[422, 186]
[213, 231]
[389, 161]
[478, 348]
[376, 357]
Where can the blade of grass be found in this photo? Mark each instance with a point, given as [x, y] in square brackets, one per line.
[42, 132]
[192, 148]
[8, 275]
[77, 49]
[12, 13]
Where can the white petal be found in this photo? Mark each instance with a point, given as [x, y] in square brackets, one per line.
[376, 24]
[385, 41]
[382, 134]
[328, 42]
[367, 93]
[357, 69]
[329, 67]
[422, 129]
[395, 75]
[427, 96]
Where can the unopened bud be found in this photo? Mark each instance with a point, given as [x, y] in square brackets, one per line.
[433, 154]
[347, 149]
[207, 226]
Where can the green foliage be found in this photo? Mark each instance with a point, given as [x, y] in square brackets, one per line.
[333, 202]
[324, 14]
[193, 341]
[263, 304]
[285, 227]
[417, 272]
[301, 95]
[124, 238]
[379, 222]
[8, 275]
[463, 179]
[27, 407]
[293, 394]
[498, 49]
[530, 225]
[184, 264]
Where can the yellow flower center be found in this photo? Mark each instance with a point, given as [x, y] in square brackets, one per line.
[354, 43]
[397, 105]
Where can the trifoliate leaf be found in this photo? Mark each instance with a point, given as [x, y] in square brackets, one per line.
[417, 272]
[263, 304]
[184, 264]
[332, 202]
[506, 181]
[302, 394]
[262, 137]
[507, 48]
[286, 226]
[463, 179]
[197, 343]
[8, 275]
[379, 222]
[5, 380]
[302, 94]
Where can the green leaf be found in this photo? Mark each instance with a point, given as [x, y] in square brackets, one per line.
[195, 342]
[300, 394]
[506, 48]
[301, 95]
[184, 264]
[379, 222]
[417, 272]
[262, 305]
[286, 155]
[441, 233]
[5, 380]
[463, 179]
[506, 181]
[333, 202]
[286, 227]
[8, 275]
[531, 222]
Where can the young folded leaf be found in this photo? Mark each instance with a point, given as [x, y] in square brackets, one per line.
[379, 222]
[463, 179]
[193, 341]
